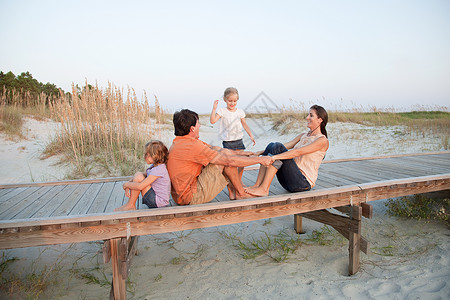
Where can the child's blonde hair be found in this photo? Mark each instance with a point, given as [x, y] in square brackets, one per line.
[230, 90]
[158, 151]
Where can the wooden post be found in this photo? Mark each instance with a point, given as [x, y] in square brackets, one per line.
[354, 241]
[298, 224]
[118, 287]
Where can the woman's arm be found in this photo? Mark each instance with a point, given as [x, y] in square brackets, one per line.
[140, 185]
[319, 144]
[288, 145]
[214, 116]
[291, 144]
[247, 129]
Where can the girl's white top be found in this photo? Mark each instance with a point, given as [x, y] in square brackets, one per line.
[230, 126]
[309, 163]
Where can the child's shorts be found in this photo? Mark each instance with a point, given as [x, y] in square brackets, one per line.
[149, 199]
[234, 145]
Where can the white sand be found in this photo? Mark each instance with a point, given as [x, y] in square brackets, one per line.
[205, 264]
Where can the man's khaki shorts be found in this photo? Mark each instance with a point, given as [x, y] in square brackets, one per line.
[209, 184]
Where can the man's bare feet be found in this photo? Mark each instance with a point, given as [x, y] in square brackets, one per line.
[125, 208]
[231, 192]
[244, 196]
[257, 191]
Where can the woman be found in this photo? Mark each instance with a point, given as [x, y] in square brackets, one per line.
[297, 162]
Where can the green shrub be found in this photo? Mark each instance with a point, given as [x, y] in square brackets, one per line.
[420, 207]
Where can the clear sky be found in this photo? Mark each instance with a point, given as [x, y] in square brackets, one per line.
[345, 54]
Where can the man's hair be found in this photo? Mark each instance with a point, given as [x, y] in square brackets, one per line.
[183, 120]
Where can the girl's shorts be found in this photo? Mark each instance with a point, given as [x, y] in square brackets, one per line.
[149, 199]
[234, 145]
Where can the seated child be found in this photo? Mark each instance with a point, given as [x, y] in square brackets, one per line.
[154, 184]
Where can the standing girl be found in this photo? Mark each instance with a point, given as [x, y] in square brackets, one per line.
[232, 120]
[154, 184]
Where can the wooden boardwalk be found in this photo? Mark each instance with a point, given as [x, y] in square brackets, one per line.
[87, 197]
[82, 210]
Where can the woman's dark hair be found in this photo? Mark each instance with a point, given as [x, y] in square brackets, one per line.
[321, 113]
[183, 120]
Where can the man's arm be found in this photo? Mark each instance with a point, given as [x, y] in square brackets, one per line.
[225, 158]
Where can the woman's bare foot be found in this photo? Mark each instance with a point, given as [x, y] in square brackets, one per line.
[257, 191]
[125, 207]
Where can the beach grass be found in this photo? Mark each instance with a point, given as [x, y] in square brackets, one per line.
[11, 121]
[278, 247]
[102, 132]
[434, 121]
[421, 207]
[31, 283]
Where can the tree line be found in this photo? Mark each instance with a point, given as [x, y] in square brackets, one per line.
[24, 86]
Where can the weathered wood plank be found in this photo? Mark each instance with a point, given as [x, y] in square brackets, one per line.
[17, 206]
[33, 208]
[55, 201]
[117, 197]
[68, 203]
[86, 200]
[102, 197]
[14, 197]
[3, 192]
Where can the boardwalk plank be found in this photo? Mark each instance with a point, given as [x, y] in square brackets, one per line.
[3, 192]
[100, 201]
[13, 192]
[398, 171]
[32, 209]
[86, 200]
[117, 197]
[56, 201]
[68, 204]
[21, 203]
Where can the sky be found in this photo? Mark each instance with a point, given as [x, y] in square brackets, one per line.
[339, 54]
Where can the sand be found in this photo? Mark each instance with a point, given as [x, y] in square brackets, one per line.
[409, 259]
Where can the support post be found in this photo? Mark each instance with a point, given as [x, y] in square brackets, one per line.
[298, 223]
[118, 288]
[354, 241]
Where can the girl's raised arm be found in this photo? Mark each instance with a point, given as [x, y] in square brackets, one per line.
[214, 116]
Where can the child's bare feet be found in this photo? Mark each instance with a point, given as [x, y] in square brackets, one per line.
[257, 191]
[125, 207]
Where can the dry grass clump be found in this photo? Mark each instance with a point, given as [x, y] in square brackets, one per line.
[101, 132]
[15, 104]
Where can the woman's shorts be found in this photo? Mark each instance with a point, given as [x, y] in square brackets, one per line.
[149, 199]
[234, 145]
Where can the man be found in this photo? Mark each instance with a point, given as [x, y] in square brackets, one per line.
[197, 170]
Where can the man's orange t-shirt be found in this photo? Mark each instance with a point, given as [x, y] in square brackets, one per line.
[187, 157]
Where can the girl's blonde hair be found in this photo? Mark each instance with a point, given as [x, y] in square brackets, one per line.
[230, 90]
[158, 151]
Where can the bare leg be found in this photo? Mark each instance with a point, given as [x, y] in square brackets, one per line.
[261, 175]
[131, 204]
[231, 191]
[233, 176]
[263, 188]
[240, 173]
